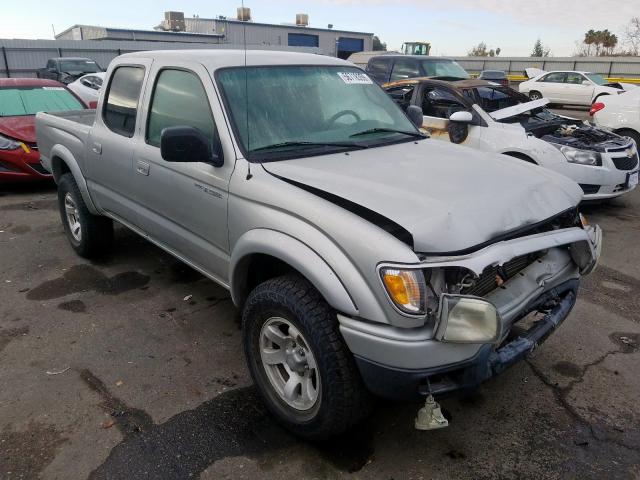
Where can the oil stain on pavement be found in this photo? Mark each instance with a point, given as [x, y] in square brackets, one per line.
[234, 423]
[80, 278]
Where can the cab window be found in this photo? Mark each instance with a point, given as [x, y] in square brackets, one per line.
[179, 99]
[121, 104]
[575, 78]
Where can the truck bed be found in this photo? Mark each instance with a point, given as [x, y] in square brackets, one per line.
[68, 130]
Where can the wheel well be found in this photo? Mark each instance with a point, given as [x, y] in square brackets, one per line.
[255, 269]
[59, 167]
[521, 156]
[600, 95]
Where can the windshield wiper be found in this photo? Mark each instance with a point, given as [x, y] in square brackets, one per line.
[276, 146]
[389, 130]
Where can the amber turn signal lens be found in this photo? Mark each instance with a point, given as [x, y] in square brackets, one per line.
[406, 288]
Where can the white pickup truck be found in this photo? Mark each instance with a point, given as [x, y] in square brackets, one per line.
[366, 258]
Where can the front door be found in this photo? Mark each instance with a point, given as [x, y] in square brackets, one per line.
[580, 93]
[552, 86]
[438, 104]
[184, 204]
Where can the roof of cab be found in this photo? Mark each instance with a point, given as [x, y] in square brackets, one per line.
[220, 58]
[463, 84]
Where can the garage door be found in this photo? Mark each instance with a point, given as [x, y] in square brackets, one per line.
[346, 44]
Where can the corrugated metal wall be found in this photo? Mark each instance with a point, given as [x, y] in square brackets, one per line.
[608, 66]
[24, 57]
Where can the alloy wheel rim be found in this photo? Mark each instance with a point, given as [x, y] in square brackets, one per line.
[289, 364]
[73, 218]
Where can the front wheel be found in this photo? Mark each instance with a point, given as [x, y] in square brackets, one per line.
[299, 361]
[90, 235]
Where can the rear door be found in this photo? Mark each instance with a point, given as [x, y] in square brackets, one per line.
[552, 86]
[184, 205]
[110, 168]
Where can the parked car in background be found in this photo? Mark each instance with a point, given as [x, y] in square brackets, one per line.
[498, 119]
[389, 68]
[88, 87]
[363, 256]
[20, 100]
[496, 76]
[570, 88]
[619, 113]
[68, 69]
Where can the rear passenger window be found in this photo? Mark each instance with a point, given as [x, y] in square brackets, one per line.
[179, 99]
[122, 100]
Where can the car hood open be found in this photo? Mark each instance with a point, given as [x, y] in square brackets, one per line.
[449, 198]
[518, 109]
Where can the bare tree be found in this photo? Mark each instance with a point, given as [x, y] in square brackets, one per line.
[481, 50]
[632, 36]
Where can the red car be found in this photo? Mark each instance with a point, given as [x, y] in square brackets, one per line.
[20, 100]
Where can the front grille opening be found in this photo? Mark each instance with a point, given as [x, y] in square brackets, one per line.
[466, 283]
[589, 189]
[626, 163]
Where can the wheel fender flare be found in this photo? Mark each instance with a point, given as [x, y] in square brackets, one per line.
[61, 154]
[297, 255]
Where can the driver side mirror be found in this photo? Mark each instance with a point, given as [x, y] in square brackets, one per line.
[461, 117]
[586, 82]
[187, 144]
[415, 115]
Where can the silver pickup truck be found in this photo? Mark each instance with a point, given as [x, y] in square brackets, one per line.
[365, 257]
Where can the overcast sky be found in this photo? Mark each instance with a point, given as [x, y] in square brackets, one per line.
[452, 27]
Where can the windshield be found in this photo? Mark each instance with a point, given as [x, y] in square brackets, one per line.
[31, 100]
[596, 78]
[84, 66]
[443, 68]
[294, 108]
[495, 98]
[492, 75]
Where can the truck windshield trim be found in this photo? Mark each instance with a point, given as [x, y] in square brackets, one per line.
[312, 109]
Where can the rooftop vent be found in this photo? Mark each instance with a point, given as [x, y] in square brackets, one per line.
[174, 21]
[244, 14]
[302, 20]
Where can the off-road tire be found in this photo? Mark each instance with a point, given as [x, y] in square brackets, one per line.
[96, 231]
[343, 399]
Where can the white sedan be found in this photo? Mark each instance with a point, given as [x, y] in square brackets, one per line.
[570, 88]
[620, 114]
[88, 87]
[492, 118]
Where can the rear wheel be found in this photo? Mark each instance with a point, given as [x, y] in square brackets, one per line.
[299, 361]
[90, 235]
[535, 95]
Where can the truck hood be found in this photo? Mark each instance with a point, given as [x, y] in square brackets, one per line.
[20, 128]
[448, 197]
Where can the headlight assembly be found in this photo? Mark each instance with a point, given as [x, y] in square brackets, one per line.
[581, 157]
[406, 289]
[468, 320]
[8, 144]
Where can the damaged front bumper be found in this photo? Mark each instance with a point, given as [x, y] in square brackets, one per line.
[403, 364]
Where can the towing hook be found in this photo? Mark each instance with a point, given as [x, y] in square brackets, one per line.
[430, 416]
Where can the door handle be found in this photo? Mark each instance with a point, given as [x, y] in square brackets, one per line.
[142, 168]
[96, 148]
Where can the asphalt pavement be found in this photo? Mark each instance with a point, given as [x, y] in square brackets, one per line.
[132, 367]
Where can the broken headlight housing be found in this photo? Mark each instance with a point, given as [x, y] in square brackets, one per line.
[8, 143]
[468, 320]
[581, 157]
[406, 288]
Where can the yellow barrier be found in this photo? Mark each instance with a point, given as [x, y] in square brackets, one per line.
[522, 78]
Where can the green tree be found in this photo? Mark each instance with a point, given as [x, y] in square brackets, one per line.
[539, 50]
[378, 45]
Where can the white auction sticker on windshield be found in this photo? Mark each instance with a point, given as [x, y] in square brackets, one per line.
[354, 78]
[53, 88]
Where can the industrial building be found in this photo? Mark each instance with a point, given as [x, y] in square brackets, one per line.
[238, 31]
